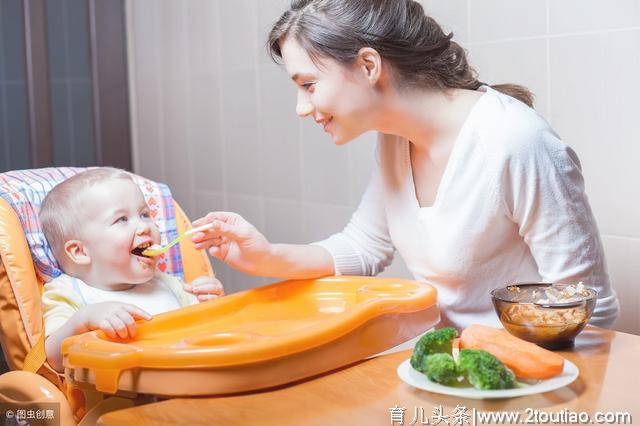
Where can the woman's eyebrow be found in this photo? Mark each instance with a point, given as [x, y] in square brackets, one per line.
[297, 76]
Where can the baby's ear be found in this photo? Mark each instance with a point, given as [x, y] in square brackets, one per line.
[76, 252]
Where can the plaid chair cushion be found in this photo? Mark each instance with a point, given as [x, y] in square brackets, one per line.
[24, 190]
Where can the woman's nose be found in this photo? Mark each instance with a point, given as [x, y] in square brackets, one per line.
[303, 106]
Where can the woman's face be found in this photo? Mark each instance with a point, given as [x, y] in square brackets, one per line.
[340, 99]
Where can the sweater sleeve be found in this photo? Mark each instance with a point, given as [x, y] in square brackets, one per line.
[364, 246]
[545, 196]
[59, 303]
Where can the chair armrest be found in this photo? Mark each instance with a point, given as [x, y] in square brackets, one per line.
[22, 387]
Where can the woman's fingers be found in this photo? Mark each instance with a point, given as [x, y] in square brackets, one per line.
[203, 244]
[216, 252]
[230, 231]
[228, 217]
[218, 234]
[210, 217]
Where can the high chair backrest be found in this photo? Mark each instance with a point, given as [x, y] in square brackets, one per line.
[27, 261]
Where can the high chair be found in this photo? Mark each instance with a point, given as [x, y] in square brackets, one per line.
[250, 340]
[26, 263]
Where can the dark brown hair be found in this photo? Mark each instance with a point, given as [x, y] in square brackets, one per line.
[420, 52]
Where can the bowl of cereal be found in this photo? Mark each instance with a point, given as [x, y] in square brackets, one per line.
[549, 315]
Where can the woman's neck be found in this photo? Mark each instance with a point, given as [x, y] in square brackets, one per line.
[427, 118]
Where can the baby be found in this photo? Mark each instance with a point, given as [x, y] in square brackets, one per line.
[97, 224]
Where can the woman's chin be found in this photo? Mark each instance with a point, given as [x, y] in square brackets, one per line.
[338, 139]
[341, 141]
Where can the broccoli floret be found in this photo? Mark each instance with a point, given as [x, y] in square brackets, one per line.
[484, 371]
[437, 341]
[440, 368]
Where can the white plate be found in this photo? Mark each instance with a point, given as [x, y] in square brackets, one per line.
[420, 381]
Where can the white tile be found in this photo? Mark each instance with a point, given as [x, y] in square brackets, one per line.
[239, 281]
[207, 201]
[452, 15]
[269, 11]
[397, 269]
[325, 167]
[203, 122]
[238, 27]
[521, 62]
[203, 34]
[243, 148]
[146, 100]
[184, 196]
[204, 135]
[589, 15]
[361, 157]
[173, 37]
[175, 103]
[321, 221]
[222, 273]
[249, 207]
[284, 221]
[594, 108]
[279, 134]
[624, 269]
[234, 281]
[505, 19]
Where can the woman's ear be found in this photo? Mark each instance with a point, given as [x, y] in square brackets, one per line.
[370, 62]
[77, 252]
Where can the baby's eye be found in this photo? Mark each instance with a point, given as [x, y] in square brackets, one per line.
[121, 219]
[145, 214]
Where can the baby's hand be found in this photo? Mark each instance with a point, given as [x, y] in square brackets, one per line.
[205, 288]
[116, 319]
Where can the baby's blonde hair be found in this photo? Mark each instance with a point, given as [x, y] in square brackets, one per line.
[61, 208]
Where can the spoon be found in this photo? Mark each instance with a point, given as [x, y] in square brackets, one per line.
[156, 250]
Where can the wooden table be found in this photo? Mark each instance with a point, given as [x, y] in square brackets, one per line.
[362, 394]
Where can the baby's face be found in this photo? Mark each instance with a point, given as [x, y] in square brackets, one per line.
[117, 221]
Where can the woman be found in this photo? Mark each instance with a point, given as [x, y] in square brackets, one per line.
[470, 185]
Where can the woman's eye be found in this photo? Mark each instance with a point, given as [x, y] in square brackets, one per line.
[121, 219]
[308, 86]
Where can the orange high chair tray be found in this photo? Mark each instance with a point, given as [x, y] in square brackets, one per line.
[257, 338]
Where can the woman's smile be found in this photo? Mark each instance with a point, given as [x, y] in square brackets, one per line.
[325, 123]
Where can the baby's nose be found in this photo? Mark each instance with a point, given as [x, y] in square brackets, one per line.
[143, 228]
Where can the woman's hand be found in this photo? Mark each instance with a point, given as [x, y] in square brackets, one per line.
[234, 241]
[205, 288]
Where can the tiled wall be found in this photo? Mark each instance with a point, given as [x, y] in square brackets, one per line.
[214, 118]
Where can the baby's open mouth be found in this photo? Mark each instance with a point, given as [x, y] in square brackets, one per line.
[138, 251]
